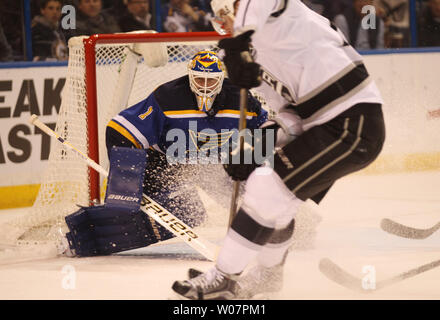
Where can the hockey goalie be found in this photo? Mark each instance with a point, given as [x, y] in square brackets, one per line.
[204, 107]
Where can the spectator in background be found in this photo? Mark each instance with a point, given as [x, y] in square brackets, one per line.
[180, 16]
[48, 41]
[334, 7]
[106, 4]
[395, 14]
[204, 5]
[116, 9]
[315, 5]
[5, 48]
[327, 8]
[90, 19]
[429, 25]
[350, 23]
[136, 16]
[11, 16]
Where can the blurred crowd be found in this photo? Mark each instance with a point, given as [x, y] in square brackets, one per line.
[49, 38]
[392, 21]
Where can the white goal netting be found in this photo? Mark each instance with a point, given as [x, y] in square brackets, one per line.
[122, 79]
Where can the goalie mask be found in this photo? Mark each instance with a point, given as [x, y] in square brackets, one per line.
[206, 75]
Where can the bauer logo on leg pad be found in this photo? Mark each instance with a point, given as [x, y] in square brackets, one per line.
[122, 198]
[127, 170]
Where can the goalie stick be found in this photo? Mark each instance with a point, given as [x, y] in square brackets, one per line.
[401, 230]
[335, 273]
[148, 205]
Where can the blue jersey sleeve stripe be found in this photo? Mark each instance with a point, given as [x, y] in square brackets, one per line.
[124, 132]
[132, 130]
[233, 116]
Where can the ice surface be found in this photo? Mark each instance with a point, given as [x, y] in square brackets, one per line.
[349, 234]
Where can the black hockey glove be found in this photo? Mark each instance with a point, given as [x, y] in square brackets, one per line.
[256, 150]
[240, 162]
[242, 73]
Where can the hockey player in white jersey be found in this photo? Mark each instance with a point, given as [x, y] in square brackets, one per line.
[329, 123]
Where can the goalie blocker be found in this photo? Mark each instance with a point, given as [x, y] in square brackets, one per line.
[119, 225]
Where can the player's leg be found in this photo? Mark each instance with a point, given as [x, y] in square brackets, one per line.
[268, 205]
[346, 144]
[305, 168]
[328, 152]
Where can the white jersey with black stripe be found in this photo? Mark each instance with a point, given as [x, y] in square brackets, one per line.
[302, 55]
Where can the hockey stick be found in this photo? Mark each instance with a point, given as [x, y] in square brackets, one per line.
[241, 126]
[401, 230]
[148, 205]
[335, 273]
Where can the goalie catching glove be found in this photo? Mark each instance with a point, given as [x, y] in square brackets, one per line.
[243, 72]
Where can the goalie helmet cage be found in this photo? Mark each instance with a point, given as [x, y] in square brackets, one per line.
[105, 75]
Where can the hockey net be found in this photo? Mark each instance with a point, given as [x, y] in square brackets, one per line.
[105, 75]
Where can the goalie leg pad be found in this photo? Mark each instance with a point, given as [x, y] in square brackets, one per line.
[101, 230]
[119, 225]
[127, 169]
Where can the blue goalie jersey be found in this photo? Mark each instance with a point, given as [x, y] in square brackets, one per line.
[170, 121]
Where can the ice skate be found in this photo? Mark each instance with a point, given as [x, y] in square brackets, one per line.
[258, 282]
[211, 285]
[192, 273]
